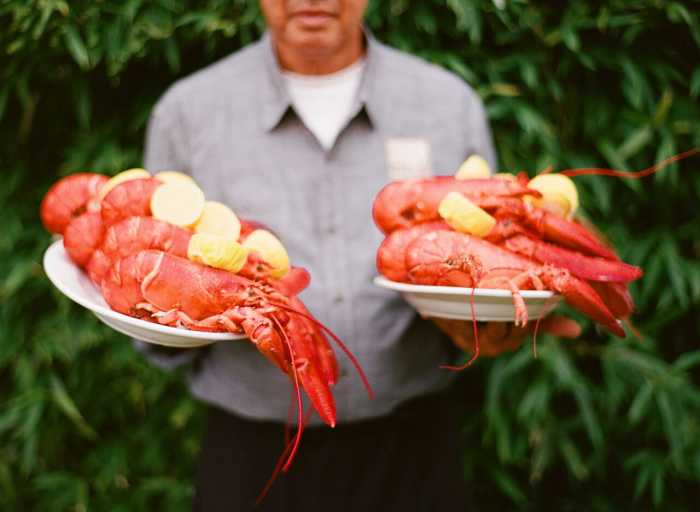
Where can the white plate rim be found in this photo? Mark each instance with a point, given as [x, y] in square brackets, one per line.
[383, 282]
[55, 279]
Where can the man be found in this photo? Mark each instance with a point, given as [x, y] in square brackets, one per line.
[299, 131]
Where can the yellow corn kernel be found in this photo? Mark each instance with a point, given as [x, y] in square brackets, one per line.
[130, 174]
[505, 176]
[217, 251]
[474, 167]
[270, 249]
[464, 216]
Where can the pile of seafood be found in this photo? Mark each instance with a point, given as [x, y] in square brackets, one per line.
[160, 252]
[504, 231]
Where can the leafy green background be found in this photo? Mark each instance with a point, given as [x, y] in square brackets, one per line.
[86, 424]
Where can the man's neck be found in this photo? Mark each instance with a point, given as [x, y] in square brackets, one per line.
[305, 63]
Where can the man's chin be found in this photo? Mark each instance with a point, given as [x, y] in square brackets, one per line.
[317, 41]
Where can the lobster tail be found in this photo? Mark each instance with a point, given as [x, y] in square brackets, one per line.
[83, 236]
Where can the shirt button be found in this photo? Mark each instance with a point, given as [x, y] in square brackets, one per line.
[338, 299]
[330, 230]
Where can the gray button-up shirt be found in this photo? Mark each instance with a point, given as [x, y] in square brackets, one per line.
[232, 127]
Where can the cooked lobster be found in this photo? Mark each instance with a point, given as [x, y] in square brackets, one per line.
[527, 247]
[140, 264]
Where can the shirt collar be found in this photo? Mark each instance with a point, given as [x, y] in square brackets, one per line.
[276, 100]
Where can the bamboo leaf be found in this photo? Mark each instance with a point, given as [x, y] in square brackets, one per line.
[76, 46]
[640, 404]
[64, 402]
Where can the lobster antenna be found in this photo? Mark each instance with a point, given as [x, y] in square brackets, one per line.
[297, 389]
[629, 174]
[477, 349]
[280, 460]
[275, 473]
[534, 337]
[340, 343]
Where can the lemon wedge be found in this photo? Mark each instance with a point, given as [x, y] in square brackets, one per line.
[218, 219]
[217, 251]
[130, 174]
[178, 202]
[474, 167]
[558, 191]
[270, 249]
[464, 216]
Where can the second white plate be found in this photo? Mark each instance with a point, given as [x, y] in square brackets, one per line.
[490, 305]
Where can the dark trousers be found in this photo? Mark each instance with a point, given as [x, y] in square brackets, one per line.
[409, 461]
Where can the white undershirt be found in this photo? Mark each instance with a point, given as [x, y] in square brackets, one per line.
[324, 102]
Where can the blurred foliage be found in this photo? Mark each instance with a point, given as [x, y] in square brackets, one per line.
[598, 424]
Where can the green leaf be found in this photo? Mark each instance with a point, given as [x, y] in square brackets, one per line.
[687, 361]
[636, 141]
[640, 404]
[76, 47]
[66, 404]
[695, 84]
[670, 423]
[508, 485]
[674, 265]
[635, 84]
[573, 458]
[4, 93]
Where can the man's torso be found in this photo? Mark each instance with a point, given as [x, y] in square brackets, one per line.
[247, 149]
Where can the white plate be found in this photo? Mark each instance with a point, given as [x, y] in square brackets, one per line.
[490, 305]
[76, 285]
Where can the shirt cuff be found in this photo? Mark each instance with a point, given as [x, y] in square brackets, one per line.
[167, 358]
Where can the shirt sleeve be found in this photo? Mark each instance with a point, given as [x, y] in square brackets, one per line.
[478, 134]
[165, 150]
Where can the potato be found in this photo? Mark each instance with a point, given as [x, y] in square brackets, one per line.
[130, 174]
[464, 216]
[270, 249]
[217, 251]
[473, 167]
[218, 219]
[170, 176]
[178, 202]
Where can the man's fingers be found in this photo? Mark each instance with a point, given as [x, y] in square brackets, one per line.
[561, 326]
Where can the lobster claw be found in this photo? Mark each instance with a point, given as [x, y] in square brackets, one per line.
[307, 366]
[580, 265]
[582, 297]
[570, 234]
[616, 296]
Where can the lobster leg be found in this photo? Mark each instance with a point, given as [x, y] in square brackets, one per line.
[514, 284]
[580, 265]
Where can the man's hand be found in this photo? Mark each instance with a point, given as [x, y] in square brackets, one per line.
[498, 337]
